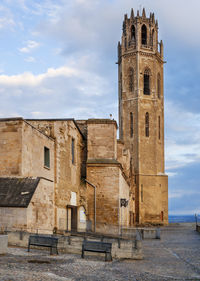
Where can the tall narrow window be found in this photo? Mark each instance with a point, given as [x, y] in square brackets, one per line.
[131, 124]
[159, 127]
[131, 79]
[73, 152]
[152, 38]
[147, 124]
[146, 82]
[158, 85]
[132, 32]
[142, 193]
[144, 35]
[46, 157]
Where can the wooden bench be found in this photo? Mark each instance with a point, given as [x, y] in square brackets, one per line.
[43, 241]
[99, 247]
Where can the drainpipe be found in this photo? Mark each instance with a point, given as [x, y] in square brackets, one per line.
[94, 203]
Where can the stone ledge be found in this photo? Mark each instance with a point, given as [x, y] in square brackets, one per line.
[103, 161]
[102, 121]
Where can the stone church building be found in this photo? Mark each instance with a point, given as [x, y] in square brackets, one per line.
[66, 174]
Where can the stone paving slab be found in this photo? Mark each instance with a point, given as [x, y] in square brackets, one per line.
[175, 257]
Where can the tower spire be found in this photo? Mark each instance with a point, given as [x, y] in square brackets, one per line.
[132, 13]
[144, 13]
[153, 18]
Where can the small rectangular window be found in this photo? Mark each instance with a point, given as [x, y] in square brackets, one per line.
[73, 152]
[46, 157]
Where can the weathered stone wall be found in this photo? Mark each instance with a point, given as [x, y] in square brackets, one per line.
[33, 143]
[101, 140]
[67, 173]
[40, 212]
[106, 180]
[10, 147]
[123, 157]
[153, 195]
[3, 244]
[13, 218]
[124, 194]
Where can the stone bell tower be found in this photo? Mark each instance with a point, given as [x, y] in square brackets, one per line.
[141, 115]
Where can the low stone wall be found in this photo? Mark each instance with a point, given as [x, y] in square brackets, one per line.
[121, 248]
[143, 233]
[3, 244]
[198, 228]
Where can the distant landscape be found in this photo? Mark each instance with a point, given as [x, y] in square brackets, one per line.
[183, 218]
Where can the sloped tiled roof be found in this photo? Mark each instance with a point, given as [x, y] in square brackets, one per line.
[17, 192]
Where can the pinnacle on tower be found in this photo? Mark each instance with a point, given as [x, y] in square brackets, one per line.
[138, 14]
[144, 13]
[132, 13]
[153, 18]
[157, 23]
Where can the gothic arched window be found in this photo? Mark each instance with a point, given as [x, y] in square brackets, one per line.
[132, 32]
[131, 124]
[146, 82]
[158, 85]
[131, 79]
[144, 35]
[147, 124]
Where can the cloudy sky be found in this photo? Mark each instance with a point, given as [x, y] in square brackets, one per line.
[57, 59]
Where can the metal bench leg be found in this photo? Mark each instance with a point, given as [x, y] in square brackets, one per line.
[82, 255]
[28, 247]
[108, 257]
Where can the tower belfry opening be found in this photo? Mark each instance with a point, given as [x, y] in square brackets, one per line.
[141, 115]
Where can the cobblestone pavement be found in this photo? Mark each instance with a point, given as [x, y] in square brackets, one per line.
[175, 257]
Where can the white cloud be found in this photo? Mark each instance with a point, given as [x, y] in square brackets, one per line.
[31, 45]
[29, 79]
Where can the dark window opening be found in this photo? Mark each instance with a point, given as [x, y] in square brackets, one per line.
[131, 80]
[73, 152]
[131, 124]
[142, 193]
[158, 85]
[46, 157]
[132, 32]
[147, 124]
[152, 39]
[144, 35]
[159, 127]
[162, 216]
[125, 43]
[146, 83]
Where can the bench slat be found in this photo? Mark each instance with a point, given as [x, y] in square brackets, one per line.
[100, 247]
